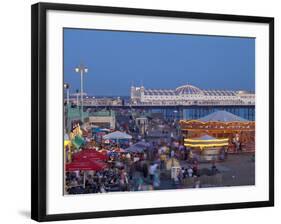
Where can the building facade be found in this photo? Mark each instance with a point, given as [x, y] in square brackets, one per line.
[190, 95]
[95, 101]
[103, 119]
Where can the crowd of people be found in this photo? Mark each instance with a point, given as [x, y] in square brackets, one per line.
[136, 171]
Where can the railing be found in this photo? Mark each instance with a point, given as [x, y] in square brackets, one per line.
[170, 103]
[197, 103]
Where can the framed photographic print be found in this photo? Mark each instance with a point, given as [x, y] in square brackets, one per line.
[139, 111]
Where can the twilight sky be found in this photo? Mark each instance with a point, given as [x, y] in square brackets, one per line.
[117, 59]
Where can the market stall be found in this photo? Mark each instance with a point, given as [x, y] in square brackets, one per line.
[117, 137]
[138, 147]
[88, 154]
[85, 165]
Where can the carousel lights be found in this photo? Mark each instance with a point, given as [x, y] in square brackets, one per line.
[207, 140]
[215, 122]
[206, 145]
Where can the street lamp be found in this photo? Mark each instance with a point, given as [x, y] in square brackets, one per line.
[77, 98]
[81, 69]
[66, 86]
[175, 114]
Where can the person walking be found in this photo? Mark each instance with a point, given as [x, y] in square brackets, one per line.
[190, 171]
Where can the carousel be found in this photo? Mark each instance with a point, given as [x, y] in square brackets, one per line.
[239, 132]
[207, 148]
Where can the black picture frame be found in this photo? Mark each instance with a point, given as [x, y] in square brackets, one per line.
[38, 108]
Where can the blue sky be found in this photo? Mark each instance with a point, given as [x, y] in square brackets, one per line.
[117, 59]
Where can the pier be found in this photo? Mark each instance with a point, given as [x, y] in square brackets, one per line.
[183, 111]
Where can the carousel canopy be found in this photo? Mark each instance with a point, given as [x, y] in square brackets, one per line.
[222, 115]
[117, 135]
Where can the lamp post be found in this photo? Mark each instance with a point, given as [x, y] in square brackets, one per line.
[81, 69]
[66, 87]
[77, 97]
[175, 115]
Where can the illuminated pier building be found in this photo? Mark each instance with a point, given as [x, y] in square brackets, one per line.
[190, 95]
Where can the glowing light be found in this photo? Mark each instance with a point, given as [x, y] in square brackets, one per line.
[206, 145]
[207, 140]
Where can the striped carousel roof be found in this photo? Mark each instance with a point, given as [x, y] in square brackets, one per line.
[222, 115]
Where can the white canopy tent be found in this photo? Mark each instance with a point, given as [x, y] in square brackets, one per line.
[137, 147]
[117, 135]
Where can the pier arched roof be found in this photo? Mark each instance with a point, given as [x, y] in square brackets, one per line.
[188, 89]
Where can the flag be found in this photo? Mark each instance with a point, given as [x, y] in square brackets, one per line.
[77, 141]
